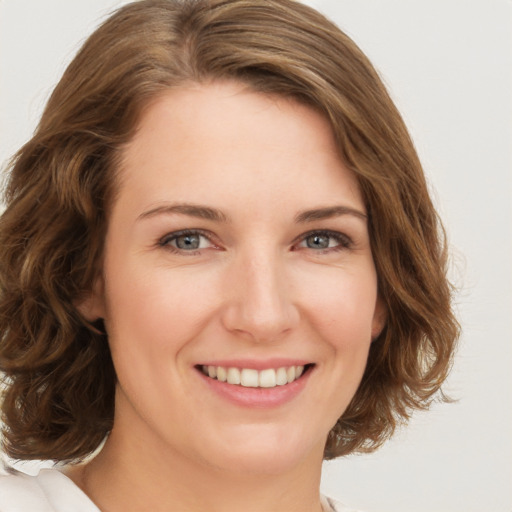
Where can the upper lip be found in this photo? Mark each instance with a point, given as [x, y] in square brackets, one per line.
[256, 364]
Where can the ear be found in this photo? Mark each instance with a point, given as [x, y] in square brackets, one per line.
[92, 305]
[380, 317]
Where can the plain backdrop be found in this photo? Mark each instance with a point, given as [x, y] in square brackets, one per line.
[448, 65]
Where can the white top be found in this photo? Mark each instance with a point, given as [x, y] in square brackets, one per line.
[49, 491]
[52, 491]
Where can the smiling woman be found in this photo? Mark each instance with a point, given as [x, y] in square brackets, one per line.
[263, 286]
[219, 258]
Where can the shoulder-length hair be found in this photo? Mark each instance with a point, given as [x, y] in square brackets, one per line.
[59, 379]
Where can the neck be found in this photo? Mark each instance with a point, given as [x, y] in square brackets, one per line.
[129, 477]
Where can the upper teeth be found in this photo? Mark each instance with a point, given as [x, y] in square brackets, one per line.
[251, 378]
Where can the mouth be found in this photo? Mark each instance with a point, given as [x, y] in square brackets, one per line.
[252, 378]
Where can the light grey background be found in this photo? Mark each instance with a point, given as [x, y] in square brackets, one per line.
[448, 65]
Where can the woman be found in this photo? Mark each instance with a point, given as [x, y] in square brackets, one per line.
[220, 259]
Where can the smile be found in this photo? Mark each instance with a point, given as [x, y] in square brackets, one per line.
[251, 378]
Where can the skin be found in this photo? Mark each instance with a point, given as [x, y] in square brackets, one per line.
[256, 288]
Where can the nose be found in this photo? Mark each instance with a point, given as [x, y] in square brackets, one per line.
[259, 302]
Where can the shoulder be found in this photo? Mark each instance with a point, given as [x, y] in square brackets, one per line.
[331, 505]
[21, 492]
[49, 491]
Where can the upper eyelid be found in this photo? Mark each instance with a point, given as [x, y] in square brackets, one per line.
[183, 232]
[211, 237]
[328, 232]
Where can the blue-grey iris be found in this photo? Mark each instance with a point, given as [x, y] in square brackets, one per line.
[317, 241]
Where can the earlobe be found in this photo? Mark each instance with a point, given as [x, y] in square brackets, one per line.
[380, 317]
[92, 305]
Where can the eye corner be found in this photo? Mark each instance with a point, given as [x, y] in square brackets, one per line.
[187, 241]
[324, 241]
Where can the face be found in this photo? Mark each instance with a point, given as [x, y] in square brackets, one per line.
[238, 290]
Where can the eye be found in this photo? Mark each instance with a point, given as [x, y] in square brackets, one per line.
[186, 241]
[324, 241]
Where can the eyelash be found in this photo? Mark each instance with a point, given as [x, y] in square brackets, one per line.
[167, 239]
[343, 241]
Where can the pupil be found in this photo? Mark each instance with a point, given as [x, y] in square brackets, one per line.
[187, 242]
[317, 241]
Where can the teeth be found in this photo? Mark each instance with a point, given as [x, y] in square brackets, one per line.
[222, 374]
[233, 376]
[251, 378]
[268, 378]
[281, 378]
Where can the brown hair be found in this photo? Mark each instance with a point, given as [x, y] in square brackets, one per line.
[59, 378]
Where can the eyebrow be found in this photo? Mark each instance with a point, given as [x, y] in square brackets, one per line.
[213, 214]
[192, 210]
[328, 213]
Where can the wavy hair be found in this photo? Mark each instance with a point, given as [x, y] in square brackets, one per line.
[59, 378]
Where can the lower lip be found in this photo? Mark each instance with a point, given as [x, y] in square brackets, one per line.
[257, 397]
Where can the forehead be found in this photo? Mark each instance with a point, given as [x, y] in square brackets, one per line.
[220, 141]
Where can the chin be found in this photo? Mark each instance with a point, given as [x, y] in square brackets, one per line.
[263, 454]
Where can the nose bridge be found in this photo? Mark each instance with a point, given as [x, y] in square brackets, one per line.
[260, 300]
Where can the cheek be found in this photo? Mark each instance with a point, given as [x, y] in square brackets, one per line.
[155, 312]
[341, 304]
[151, 320]
[341, 315]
